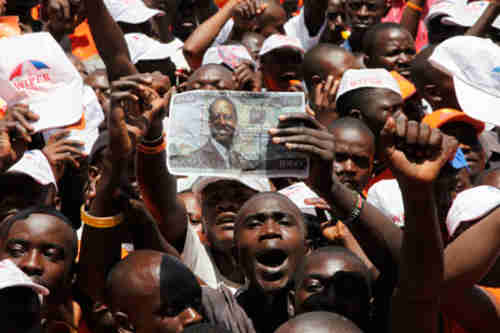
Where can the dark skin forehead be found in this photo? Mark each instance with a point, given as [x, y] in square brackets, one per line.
[379, 3]
[336, 63]
[391, 38]
[44, 229]
[355, 137]
[326, 264]
[269, 204]
[213, 74]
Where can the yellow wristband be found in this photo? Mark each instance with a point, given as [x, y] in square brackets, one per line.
[414, 7]
[100, 222]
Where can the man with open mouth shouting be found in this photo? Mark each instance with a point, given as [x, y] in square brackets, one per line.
[270, 239]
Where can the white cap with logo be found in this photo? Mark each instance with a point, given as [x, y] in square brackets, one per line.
[367, 78]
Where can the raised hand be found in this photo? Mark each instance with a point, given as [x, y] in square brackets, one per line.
[141, 103]
[324, 95]
[246, 11]
[415, 153]
[247, 78]
[302, 133]
[21, 114]
[60, 150]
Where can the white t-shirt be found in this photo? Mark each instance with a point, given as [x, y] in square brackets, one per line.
[198, 259]
[386, 196]
[296, 27]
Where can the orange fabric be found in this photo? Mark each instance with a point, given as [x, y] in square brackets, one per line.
[82, 42]
[494, 293]
[386, 174]
[35, 12]
[221, 3]
[442, 116]
[407, 88]
[9, 26]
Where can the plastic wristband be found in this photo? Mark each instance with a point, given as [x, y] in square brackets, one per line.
[100, 222]
[414, 7]
[154, 142]
[152, 150]
[356, 211]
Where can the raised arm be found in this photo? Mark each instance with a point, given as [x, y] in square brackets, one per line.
[109, 40]
[101, 247]
[415, 305]
[204, 35]
[483, 24]
[314, 15]
[158, 186]
[412, 15]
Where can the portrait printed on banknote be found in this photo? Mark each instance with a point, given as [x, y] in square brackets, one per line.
[226, 133]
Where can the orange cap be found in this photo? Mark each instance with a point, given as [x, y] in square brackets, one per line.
[444, 116]
[407, 88]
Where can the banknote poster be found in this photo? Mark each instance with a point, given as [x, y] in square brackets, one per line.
[226, 133]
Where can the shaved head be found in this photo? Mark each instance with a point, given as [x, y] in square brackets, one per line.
[327, 59]
[135, 276]
[318, 322]
[352, 123]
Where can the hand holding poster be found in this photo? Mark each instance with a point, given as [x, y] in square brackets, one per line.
[227, 133]
[40, 75]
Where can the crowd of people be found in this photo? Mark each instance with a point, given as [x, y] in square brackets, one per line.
[395, 229]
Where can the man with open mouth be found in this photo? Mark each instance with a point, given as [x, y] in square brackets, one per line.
[270, 240]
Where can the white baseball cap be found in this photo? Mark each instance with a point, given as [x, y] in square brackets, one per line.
[442, 10]
[34, 164]
[130, 11]
[278, 41]
[142, 47]
[367, 78]
[12, 276]
[474, 64]
[259, 184]
[230, 55]
[466, 15]
[471, 205]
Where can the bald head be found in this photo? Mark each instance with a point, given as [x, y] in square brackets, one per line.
[346, 261]
[350, 123]
[137, 275]
[145, 273]
[211, 77]
[327, 59]
[318, 322]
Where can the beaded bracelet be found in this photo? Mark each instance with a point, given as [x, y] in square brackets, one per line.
[356, 210]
